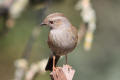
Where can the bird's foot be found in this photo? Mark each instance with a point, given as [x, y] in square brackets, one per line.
[54, 68]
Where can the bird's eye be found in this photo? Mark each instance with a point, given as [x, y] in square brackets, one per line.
[51, 22]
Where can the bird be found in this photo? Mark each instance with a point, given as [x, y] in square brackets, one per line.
[62, 38]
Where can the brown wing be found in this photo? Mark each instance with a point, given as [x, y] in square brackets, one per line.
[75, 32]
[50, 43]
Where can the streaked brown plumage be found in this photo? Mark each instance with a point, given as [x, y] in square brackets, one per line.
[62, 37]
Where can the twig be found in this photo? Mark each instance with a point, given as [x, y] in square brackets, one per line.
[36, 68]
[63, 73]
[21, 66]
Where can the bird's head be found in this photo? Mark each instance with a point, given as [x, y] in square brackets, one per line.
[56, 20]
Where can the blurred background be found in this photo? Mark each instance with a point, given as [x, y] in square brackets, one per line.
[21, 38]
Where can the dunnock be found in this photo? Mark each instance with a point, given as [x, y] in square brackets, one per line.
[62, 38]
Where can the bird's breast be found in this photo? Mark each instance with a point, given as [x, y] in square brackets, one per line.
[62, 39]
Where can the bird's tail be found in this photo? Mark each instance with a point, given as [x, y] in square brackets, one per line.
[50, 62]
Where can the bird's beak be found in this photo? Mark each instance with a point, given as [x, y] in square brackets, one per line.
[43, 24]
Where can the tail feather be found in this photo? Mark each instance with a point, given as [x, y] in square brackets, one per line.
[50, 62]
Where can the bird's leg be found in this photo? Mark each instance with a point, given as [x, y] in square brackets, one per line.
[53, 63]
[66, 59]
